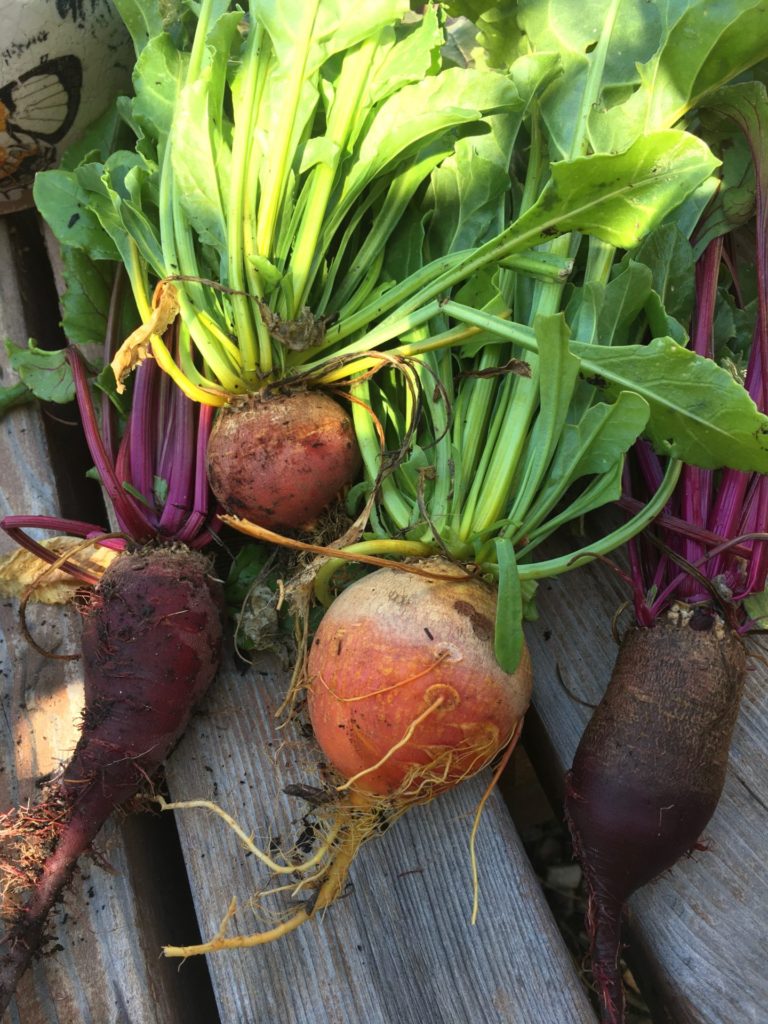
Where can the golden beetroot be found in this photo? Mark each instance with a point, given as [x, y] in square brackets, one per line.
[405, 695]
[281, 459]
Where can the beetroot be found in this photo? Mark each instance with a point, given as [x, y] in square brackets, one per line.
[399, 655]
[650, 768]
[281, 459]
[150, 644]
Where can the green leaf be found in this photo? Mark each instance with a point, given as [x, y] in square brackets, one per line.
[46, 374]
[574, 33]
[158, 78]
[756, 607]
[699, 413]
[268, 272]
[411, 58]
[623, 299]
[248, 566]
[498, 31]
[135, 493]
[744, 106]
[200, 153]
[705, 44]
[619, 197]
[593, 445]
[508, 637]
[13, 396]
[159, 490]
[85, 302]
[143, 20]
[661, 324]
[65, 204]
[411, 116]
[468, 189]
[669, 256]
[197, 153]
[102, 138]
[602, 490]
[105, 381]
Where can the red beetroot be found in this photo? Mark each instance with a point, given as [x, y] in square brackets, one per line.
[151, 642]
[649, 770]
[280, 460]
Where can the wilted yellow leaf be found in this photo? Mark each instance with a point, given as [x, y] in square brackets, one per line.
[23, 570]
[136, 347]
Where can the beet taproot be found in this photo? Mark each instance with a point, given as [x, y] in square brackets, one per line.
[280, 460]
[405, 694]
[649, 770]
[150, 646]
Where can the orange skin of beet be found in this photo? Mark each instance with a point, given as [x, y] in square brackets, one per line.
[407, 641]
[281, 460]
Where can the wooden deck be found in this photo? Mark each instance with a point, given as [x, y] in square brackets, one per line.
[399, 949]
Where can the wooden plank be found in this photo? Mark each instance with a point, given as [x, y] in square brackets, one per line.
[104, 970]
[699, 932]
[400, 946]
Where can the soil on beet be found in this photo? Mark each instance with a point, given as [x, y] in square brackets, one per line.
[281, 460]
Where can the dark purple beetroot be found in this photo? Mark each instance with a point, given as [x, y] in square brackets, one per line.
[151, 643]
[281, 460]
[649, 770]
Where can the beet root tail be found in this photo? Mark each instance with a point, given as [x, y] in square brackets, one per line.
[23, 938]
[151, 643]
[604, 927]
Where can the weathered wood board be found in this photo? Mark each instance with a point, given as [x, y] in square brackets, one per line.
[400, 946]
[699, 934]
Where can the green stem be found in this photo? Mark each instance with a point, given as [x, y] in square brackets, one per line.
[390, 497]
[613, 540]
[544, 266]
[593, 84]
[279, 149]
[493, 481]
[242, 142]
[399, 548]
[348, 96]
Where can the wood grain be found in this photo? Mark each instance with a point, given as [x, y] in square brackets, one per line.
[399, 947]
[699, 932]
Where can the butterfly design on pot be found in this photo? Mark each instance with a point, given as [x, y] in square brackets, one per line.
[37, 110]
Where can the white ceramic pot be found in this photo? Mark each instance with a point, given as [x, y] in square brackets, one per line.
[62, 62]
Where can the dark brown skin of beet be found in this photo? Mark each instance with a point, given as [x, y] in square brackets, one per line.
[281, 460]
[648, 773]
[151, 644]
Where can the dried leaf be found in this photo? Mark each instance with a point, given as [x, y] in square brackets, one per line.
[136, 347]
[23, 570]
[518, 366]
[306, 331]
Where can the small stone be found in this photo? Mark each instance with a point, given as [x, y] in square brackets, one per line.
[564, 876]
